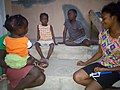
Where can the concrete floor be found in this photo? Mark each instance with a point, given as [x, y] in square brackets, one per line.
[62, 65]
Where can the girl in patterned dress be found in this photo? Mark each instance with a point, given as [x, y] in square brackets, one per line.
[109, 49]
[45, 36]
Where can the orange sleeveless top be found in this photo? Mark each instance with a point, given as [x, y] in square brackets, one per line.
[17, 45]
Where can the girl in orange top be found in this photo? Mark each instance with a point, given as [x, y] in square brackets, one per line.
[17, 44]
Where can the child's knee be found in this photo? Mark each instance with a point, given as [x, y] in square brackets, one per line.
[52, 45]
[37, 44]
[42, 78]
[35, 72]
[86, 43]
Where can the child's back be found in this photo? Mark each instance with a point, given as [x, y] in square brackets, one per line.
[17, 43]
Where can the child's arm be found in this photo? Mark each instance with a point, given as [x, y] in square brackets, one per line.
[82, 32]
[53, 36]
[100, 69]
[64, 34]
[2, 60]
[38, 33]
[81, 29]
[94, 58]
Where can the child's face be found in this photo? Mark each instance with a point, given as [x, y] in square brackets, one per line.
[44, 20]
[71, 15]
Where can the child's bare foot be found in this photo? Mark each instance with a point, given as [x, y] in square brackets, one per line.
[43, 63]
[36, 63]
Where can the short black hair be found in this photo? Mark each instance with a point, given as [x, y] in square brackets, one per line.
[15, 21]
[44, 14]
[112, 9]
[72, 10]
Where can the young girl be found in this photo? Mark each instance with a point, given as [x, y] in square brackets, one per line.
[109, 48]
[76, 32]
[17, 43]
[45, 36]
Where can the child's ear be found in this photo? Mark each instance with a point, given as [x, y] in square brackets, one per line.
[114, 18]
[75, 15]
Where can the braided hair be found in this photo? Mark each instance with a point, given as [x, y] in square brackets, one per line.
[14, 22]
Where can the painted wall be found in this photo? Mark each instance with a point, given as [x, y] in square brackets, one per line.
[57, 10]
[8, 7]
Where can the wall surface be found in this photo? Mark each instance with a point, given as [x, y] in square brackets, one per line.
[2, 17]
[8, 7]
[57, 10]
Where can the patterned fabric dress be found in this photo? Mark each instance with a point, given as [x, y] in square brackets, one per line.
[45, 35]
[111, 49]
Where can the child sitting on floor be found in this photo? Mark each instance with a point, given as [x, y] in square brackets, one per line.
[45, 36]
[76, 32]
[17, 43]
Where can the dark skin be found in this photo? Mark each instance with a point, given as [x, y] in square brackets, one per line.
[2, 55]
[44, 21]
[81, 77]
[21, 31]
[35, 77]
[70, 42]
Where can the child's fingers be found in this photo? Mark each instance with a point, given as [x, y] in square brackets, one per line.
[81, 63]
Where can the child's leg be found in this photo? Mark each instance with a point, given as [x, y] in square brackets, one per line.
[31, 80]
[86, 42]
[50, 50]
[93, 42]
[2, 55]
[9, 87]
[37, 46]
[70, 43]
[4, 73]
